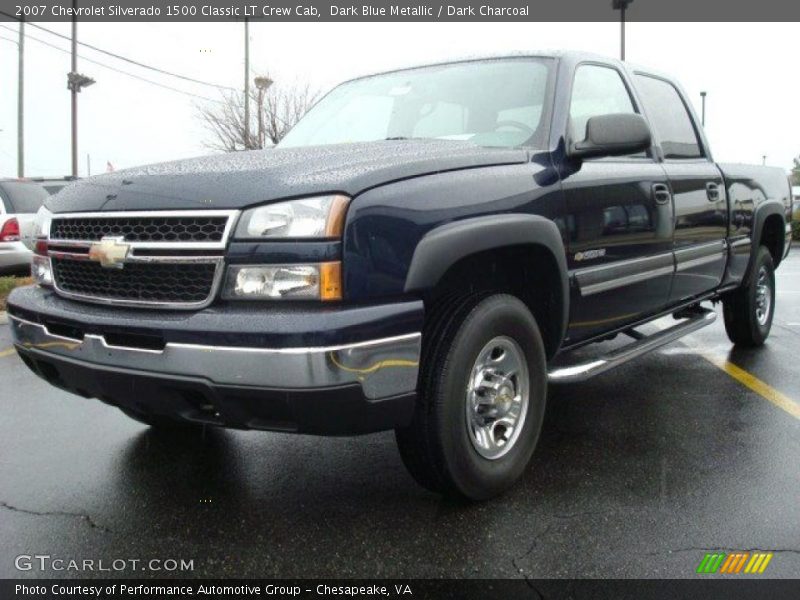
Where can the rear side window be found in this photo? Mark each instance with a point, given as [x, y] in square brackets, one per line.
[23, 197]
[670, 118]
[596, 91]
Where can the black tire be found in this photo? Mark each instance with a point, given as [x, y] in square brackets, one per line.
[743, 308]
[160, 422]
[437, 448]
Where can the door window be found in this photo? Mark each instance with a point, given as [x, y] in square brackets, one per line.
[596, 91]
[670, 118]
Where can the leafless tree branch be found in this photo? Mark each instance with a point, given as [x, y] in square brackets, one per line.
[273, 112]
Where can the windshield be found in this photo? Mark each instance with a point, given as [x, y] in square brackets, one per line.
[489, 103]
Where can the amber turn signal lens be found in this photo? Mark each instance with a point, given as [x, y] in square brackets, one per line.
[330, 281]
[334, 226]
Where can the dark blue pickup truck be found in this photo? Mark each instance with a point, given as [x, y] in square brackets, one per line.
[423, 252]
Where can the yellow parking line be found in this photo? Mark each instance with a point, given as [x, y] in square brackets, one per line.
[7, 352]
[752, 382]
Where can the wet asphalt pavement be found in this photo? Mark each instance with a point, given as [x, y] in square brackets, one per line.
[638, 473]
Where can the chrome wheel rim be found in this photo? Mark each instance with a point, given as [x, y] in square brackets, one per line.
[763, 296]
[497, 397]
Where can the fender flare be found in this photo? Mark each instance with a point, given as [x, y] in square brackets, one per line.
[444, 246]
[763, 210]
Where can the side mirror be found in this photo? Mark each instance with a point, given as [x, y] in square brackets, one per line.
[613, 135]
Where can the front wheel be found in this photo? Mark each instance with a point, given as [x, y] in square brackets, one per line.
[748, 311]
[482, 392]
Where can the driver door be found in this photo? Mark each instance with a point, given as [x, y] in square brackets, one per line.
[619, 219]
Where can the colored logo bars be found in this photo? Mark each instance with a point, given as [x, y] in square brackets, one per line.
[735, 562]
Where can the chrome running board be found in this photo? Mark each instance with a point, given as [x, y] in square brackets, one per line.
[697, 319]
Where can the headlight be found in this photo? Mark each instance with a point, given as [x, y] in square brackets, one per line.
[322, 216]
[42, 222]
[41, 266]
[291, 282]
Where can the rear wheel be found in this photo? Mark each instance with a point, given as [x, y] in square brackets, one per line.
[748, 311]
[482, 396]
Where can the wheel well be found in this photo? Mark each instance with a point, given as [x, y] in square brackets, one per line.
[772, 237]
[529, 272]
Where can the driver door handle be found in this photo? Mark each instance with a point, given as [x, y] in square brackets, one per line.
[712, 191]
[661, 193]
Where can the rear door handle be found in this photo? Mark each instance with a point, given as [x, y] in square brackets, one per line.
[712, 191]
[661, 193]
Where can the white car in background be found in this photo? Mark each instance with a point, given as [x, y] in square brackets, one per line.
[20, 199]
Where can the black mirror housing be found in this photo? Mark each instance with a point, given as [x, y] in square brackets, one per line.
[613, 135]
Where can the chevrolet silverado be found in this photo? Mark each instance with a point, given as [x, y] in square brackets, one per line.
[423, 252]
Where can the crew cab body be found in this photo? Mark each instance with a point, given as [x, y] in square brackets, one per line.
[593, 243]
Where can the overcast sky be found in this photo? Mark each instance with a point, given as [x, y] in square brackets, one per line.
[749, 71]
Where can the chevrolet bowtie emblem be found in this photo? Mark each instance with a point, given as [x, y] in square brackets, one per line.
[110, 252]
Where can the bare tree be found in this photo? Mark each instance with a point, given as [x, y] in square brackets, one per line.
[274, 111]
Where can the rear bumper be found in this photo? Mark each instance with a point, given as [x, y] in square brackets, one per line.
[340, 388]
[14, 255]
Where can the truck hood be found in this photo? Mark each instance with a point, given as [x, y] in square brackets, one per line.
[242, 179]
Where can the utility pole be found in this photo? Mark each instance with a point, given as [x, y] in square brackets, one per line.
[21, 102]
[703, 118]
[246, 84]
[74, 92]
[621, 6]
[75, 82]
[764, 159]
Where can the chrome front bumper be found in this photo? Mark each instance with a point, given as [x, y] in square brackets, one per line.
[384, 368]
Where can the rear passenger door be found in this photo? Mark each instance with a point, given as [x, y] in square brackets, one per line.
[698, 190]
[619, 218]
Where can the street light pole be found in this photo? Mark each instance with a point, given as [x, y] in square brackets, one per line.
[262, 84]
[621, 6]
[246, 84]
[21, 102]
[75, 82]
[703, 117]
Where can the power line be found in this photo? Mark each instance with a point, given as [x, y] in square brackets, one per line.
[105, 66]
[129, 74]
[125, 58]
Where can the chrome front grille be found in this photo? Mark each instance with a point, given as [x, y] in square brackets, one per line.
[168, 260]
[196, 228]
